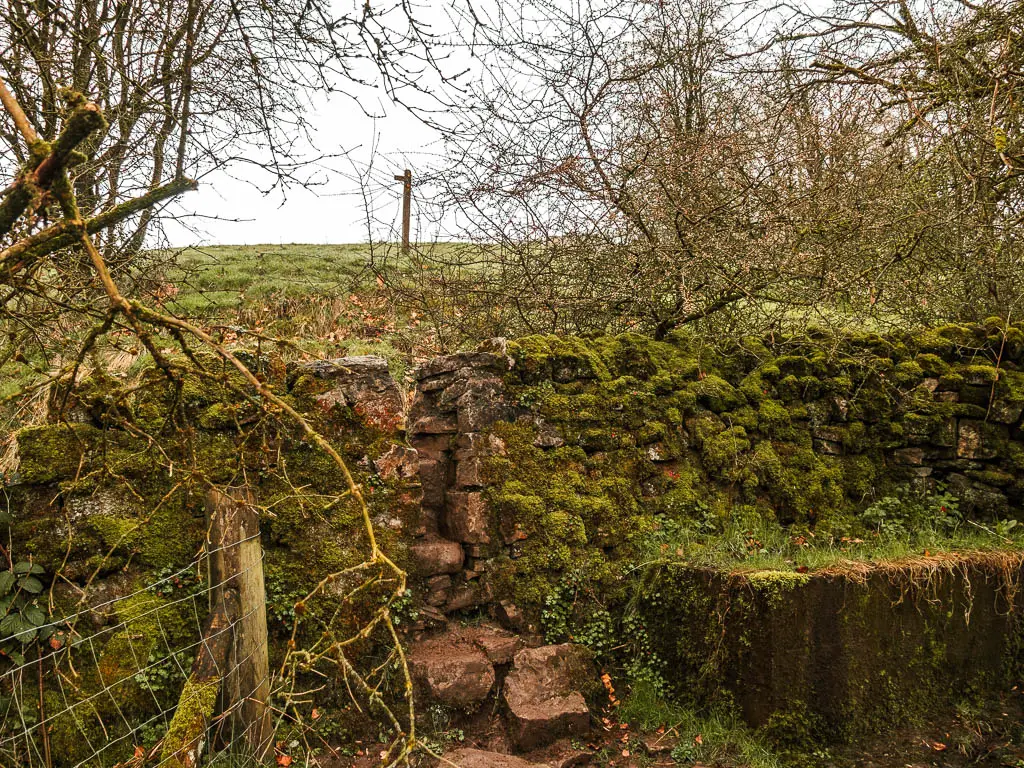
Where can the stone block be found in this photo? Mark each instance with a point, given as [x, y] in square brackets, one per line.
[451, 672]
[434, 481]
[974, 440]
[467, 473]
[466, 517]
[543, 697]
[434, 555]
[398, 462]
[364, 384]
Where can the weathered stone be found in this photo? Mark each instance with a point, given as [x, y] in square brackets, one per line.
[971, 443]
[1005, 412]
[470, 387]
[828, 447]
[479, 444]
[909, 456]
[512, 532]
[482, 408]
[399, 462]
[659, 452]
[451, 671]
[510, 616]
[434, 555]
[840, 408]
[542, 695]
[434, 447]
[435, 383]
[364, 384]
[467, 473]
[439, 583]
[463, 597]
[496, 345]
[499, 646]
[440, 424]
[978, 497]
[656, 744]
[437, 599]
[434, 482]
[466, 517]
[478, 758]
[828, 434]
[449, 363]
[548, 436]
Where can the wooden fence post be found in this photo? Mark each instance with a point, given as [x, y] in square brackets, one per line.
[406, 179]
[236, 563]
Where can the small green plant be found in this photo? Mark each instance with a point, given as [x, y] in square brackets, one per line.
[403, 609]
[24, 621]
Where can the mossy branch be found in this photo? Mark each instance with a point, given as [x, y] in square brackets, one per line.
[37, 179]
[184, 742]
[61, 235]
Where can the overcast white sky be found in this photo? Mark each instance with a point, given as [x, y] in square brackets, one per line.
[229, 210]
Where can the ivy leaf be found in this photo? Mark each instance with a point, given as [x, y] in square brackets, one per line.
[10, 624]
[31, 584]
[27, 633]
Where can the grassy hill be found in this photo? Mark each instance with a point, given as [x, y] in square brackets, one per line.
[325, 299]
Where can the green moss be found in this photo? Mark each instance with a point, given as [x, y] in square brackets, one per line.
[195, 709]
[908, 374]
[717, 394]
[932, 365]
[724, 449]
[55, 451]
[561, 358]
[773, 417]
[774, 585]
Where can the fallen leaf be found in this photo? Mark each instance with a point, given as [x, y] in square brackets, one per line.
[284, 760]
[697, 739]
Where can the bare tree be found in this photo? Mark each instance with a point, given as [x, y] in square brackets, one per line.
[738, 166]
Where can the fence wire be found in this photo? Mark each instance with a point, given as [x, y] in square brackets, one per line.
[98, 686]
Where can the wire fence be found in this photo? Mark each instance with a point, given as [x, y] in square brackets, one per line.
[113, 682]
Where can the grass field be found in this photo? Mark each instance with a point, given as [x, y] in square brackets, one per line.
[325, 299]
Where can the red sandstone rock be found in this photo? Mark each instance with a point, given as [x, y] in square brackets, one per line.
[451, 671]
[541, 694]
[478, 758]
[466, 517]
[434, 555]
[399, 462]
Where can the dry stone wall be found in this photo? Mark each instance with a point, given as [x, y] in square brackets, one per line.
[536, 454]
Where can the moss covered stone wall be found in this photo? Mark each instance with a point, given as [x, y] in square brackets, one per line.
[108, 498]
[553, 455]
[616, 491]
[541, 478]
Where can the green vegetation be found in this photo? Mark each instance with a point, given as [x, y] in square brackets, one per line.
[711, 738]
[325, 299]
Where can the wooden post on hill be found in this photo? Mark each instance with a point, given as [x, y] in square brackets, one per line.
[406, 179]
[236, 563]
